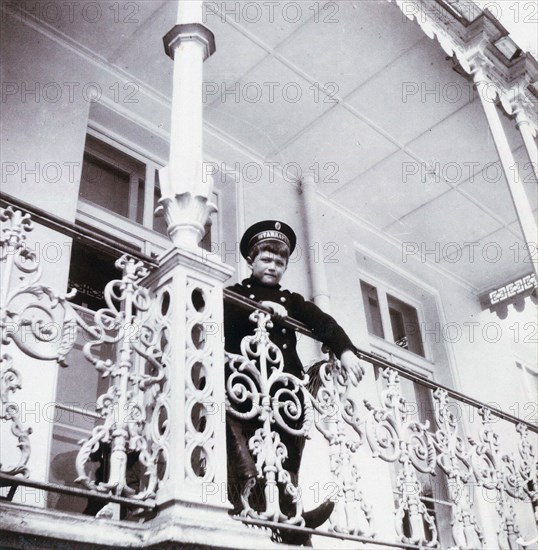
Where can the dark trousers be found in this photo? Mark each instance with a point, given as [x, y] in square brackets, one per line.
[242, 465]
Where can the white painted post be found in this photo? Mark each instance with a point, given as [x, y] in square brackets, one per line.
[515, 186]
[320, 293]
[528, 133]
[186, 191]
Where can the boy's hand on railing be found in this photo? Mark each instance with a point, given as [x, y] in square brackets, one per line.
[352, 365]
[278, 310]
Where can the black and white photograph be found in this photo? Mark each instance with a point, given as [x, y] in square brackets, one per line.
[268, 274]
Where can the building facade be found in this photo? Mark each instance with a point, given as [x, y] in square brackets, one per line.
[398, 139]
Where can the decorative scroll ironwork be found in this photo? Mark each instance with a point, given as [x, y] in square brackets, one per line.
[526, 466]
[137, 370]
[258, 388]
[499, 471]
[393, 437]
[352, 514]
[392, 434]
[32, 316]
[43, 325]
[156, 395]
[454, 460]
[527, 470]
[10, 381]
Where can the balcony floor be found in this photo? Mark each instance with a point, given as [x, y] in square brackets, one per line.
[179, 526]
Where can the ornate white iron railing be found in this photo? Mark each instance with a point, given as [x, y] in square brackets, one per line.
[44, 325]
[416, 447]
[32, 316]
[135, 412]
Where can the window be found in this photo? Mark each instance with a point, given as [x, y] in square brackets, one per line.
[392, 319]
[119, 192]
[372, 310]
[405, 326]
[119, 181]
[89, 273]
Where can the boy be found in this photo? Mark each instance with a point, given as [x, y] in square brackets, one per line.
[267, 246]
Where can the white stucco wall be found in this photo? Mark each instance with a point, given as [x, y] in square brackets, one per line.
[36, 132]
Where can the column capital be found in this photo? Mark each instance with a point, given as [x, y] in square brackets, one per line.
[189, 32]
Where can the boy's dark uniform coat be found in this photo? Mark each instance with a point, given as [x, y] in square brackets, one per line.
[237, 325]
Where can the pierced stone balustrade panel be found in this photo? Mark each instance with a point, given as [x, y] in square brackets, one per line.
[200, 418]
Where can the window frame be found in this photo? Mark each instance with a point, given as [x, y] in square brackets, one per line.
[142, 235]
[386, 347]
[151, 163]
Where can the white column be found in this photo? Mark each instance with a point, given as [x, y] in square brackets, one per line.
[528, 133]
[515, 185]
[320, 293]
[186, 191]
[186, 131]
[189, 11]
[187, 287]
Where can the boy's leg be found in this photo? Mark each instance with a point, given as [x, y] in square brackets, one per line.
[241, 466]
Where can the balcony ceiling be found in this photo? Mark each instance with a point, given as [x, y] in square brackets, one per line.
[379, 139]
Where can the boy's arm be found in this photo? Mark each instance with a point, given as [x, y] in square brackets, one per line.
[325, 327]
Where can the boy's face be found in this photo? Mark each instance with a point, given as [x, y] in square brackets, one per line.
[268, 268]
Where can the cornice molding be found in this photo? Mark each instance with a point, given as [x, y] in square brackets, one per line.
[473, 44]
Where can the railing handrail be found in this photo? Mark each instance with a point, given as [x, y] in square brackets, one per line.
[252, 305]
[75, 231]
[11, 480]
[327, 534]
[78, 410]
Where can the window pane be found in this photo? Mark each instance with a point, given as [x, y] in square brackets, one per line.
[140, 202]
[89, 273]
[111, 179]
[405, 326]
[371, 309]
[105, 185]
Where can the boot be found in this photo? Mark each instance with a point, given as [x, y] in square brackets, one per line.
[296, 538]
[312, 519]
[318, 516]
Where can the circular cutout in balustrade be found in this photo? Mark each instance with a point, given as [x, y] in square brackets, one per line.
[199, 417]
[198, 336]
[198, 299]
[198, 375]
[165, 302]
[164, 339]
[199, 461]
[162, 420]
